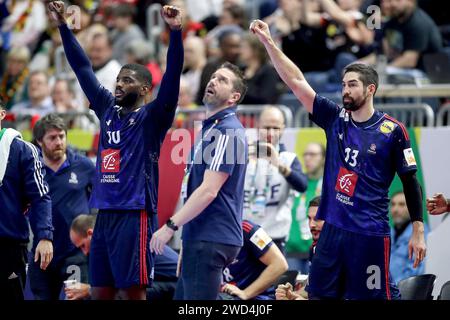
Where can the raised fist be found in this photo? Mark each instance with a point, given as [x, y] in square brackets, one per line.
[173, 17]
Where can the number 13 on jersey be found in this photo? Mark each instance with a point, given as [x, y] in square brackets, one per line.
[351, 155]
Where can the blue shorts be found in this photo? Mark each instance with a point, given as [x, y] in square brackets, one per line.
[348, 265]
[120, 254]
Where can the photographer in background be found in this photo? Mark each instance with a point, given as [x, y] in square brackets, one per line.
[271, 173]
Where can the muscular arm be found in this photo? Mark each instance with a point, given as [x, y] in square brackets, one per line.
[201, 197]
[413, 196]
[276, 266]
[82, 67]
[286, 69]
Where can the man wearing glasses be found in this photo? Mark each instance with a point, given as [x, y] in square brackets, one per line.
[271, 174]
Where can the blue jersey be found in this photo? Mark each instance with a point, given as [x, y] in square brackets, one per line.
[21, 187]
[129, 145]
[69, 190]
[361, 162]
[247, 267]
[223, 147]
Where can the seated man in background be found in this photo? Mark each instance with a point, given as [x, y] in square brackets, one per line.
[165, 280]
[286, 291]
[401, 266]
[255, 270]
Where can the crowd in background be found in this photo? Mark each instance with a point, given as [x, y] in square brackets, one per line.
[320, 36]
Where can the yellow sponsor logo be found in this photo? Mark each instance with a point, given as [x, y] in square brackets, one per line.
[387, 127]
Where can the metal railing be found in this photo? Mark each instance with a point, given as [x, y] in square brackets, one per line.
[443, 115]
[248, 114]
[410, 114]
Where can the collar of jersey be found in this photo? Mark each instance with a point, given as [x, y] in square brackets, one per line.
[218, 116]
[377, 116]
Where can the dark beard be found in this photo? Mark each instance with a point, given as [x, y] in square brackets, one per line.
[353, 106]
[128, 101]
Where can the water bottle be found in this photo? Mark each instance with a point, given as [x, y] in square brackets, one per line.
[259, 206]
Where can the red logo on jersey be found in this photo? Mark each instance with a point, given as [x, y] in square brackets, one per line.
[110, 160]
[346, 181]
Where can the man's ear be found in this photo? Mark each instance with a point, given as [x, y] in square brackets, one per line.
[39, 143]
[372, 89]
[90, 232]
[235, 97]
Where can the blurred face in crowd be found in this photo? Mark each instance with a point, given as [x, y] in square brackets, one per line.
[121, 22]
[313, 158]
[81, 242]
[61, 94]
[54, 144]
[38, 88]
[247, 53]
[231, 47]
[100, 51]
[15, 66]
[2, 115]
[401, 8]
[185, 97]
[386, 7]
[271, 125]
[194, 52]
[315, 226]
[354, 94]
[220, 91]
[399, 210]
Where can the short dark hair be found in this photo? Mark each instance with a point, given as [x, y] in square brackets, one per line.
[50, 121]
[239, 84]
[82, 223]
[367, 74]
[315, 202]
[2, 104]
[142, 73]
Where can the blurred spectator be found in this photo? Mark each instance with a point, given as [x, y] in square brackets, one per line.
[12, 86]
[304, 45]
[232, 19]
[39, 101]
[271, 173]
[185, 102]
[200, 9]
[230, 50]
[105, 67]
[194, 62]
[190, 27]
[25, 23]
[141, 52]
[264, 84]
[408, 35]
[300, 238]
[125, 31]
[255, 270]
[45, 58]
[63, 96]
[347, 37]
[401, 265]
